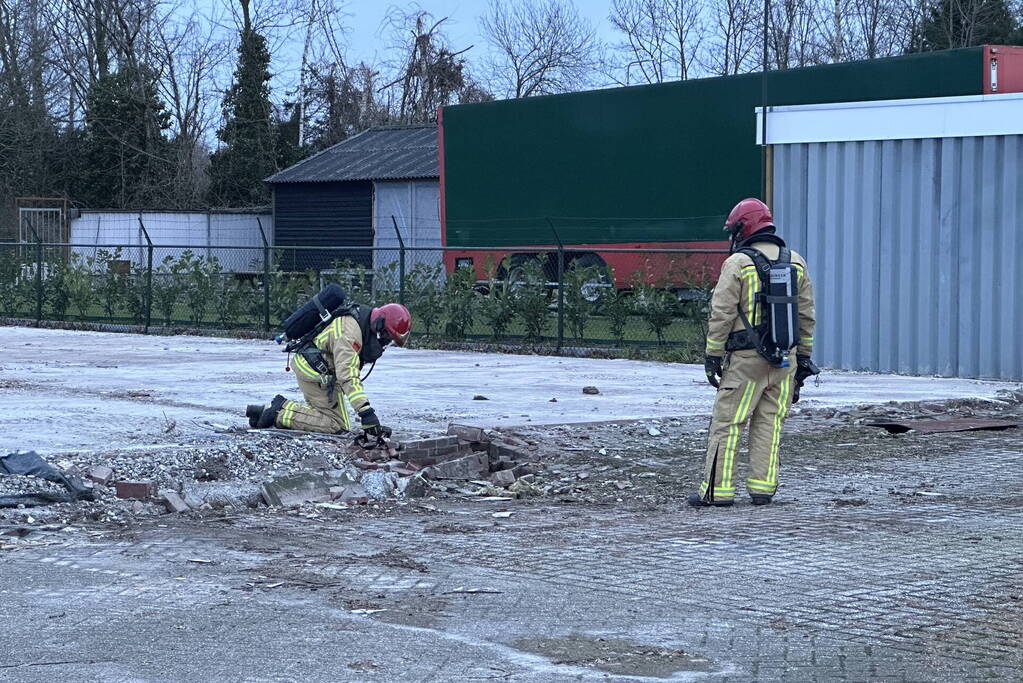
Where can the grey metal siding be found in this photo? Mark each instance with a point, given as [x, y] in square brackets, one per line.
[326, 215]
[914, 249]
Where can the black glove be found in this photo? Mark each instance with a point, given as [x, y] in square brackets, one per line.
[805, 369]
[370, 422]
[712, 366]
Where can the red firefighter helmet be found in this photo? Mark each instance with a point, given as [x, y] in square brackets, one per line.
[394, 320]
[749, 217]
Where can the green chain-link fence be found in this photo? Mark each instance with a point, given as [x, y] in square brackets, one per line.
[618, 299]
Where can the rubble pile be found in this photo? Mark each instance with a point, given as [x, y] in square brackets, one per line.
[1007, 402]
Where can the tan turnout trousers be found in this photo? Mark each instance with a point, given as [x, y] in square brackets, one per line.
[755, 393]
[752, 391]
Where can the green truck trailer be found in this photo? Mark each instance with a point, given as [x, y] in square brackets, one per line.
[650, 167]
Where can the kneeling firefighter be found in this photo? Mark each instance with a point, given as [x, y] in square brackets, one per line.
[762, 310]
[333, 339]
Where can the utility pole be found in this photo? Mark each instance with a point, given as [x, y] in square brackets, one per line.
[763, 107]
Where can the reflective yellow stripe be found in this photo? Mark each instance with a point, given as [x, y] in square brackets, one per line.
[752, 287]
[718, 491]
[302, 366]
[353, 374]
[732, 443]
[779, 419]
[287, 413]
[766, 488]
[345, 420]
[711, 344]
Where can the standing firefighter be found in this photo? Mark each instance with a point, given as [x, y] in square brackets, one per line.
[332, 340]
[761, 310]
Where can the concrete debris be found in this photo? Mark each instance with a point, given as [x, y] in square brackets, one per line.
[472, 466]
[503, 478]
[354, 494]
[101, 474]
[480, 397]
[525, 489]
[502, 515]
[592, 391]
[653, 431]
[173, 502]
[137, 490]
[379, 484]
[416, 486]
[296, 489]
[315, 463]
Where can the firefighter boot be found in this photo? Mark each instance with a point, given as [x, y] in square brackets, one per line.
[697, 501]
[253, 411]
[268, 418]
[759, 499]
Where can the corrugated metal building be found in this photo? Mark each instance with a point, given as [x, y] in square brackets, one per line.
[910, 214]
[347, 194]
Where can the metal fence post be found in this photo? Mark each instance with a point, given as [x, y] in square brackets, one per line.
[39, 277]
[266, 276]
[561, 285]
[401, 262]
[149, 277]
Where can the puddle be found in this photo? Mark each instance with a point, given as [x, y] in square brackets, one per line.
[621, 657]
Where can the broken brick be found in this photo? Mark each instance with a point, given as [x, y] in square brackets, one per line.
[174, 502]
[472, 466]
[137, 490]
[101, 474]
[470, 434]
[366, 464]
[499, 450]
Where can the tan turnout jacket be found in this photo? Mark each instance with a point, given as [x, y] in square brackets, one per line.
[737, 286]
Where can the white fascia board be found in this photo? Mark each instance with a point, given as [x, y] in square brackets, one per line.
[939, 117]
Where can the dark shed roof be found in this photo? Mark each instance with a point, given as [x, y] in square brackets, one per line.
[386, 153]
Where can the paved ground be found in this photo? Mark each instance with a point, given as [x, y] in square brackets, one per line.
[62, 390]
[892, 559]
[884, 559]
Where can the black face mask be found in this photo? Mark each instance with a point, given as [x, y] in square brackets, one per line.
[733, 236]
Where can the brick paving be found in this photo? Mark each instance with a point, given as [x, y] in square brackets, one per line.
[889, 583]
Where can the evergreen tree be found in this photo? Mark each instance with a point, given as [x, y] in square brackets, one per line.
[965, 23]
[249, 150]
[127, 156]
[289, 152]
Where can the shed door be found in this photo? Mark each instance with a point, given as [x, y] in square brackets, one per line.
[415, 206]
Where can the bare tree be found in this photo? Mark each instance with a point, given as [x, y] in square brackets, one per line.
[343, 101]
[736, 36]
[428, 72]
[542, 46]
[792, 34]
[661, 38]
[883, 26]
